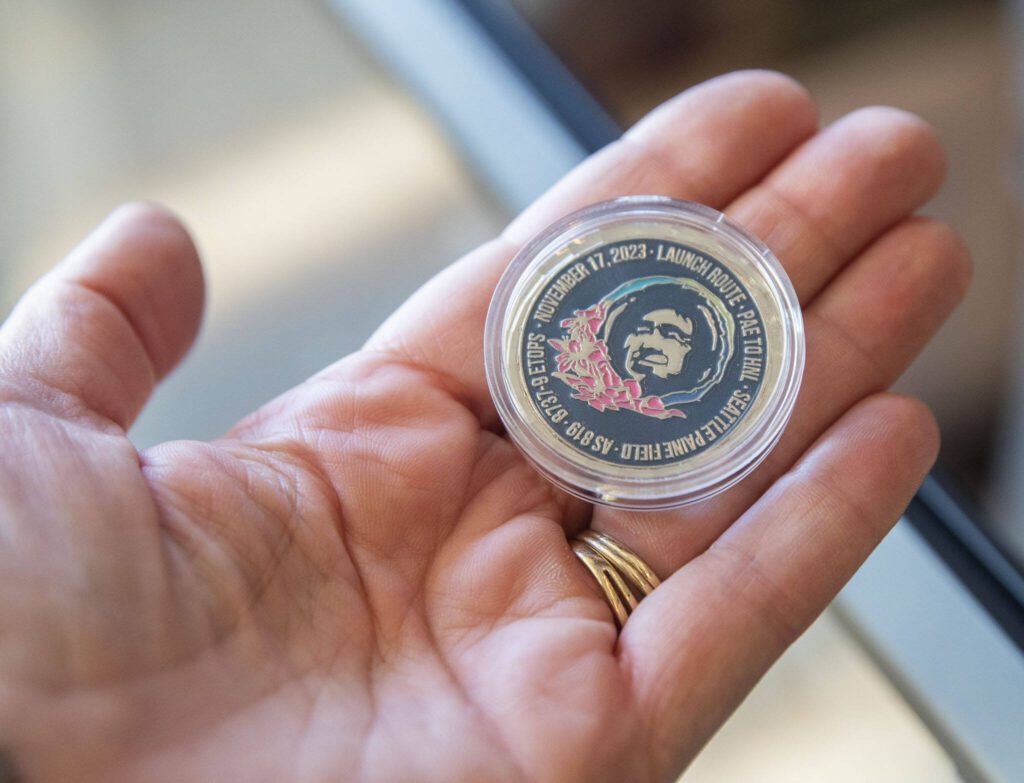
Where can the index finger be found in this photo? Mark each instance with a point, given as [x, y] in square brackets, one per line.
[708, 144]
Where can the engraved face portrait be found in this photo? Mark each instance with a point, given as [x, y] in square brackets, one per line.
[659, 345]
[673, 337]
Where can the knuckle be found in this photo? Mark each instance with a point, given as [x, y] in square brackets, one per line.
[778, 609]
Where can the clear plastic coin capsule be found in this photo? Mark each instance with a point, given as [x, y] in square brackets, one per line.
[644, 352]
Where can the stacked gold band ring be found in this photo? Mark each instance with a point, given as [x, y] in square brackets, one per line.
[618, 570]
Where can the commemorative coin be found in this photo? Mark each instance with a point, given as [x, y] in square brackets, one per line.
[644, 352]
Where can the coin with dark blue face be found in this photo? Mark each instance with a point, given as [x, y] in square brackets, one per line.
[643, 352]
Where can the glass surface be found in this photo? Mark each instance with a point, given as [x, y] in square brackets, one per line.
[320, 196]
[950, 62]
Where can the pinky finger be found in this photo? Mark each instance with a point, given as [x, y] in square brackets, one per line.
[700, 642]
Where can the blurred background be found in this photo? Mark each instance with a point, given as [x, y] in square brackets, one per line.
[322, 191]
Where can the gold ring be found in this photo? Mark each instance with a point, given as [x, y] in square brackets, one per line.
[626, 560]
[620, 598]
[612, 564]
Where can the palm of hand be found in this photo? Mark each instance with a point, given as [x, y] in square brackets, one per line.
[365, 580]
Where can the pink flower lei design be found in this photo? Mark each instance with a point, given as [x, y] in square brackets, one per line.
[584, 364]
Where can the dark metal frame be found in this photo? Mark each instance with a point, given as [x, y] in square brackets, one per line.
[557, 87]
[949, 523]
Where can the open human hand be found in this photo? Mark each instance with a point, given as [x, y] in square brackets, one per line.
[364, 580]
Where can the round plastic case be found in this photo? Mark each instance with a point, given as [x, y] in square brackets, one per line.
[644, 352]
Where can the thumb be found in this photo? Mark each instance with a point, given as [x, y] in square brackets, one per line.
[93, 336]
